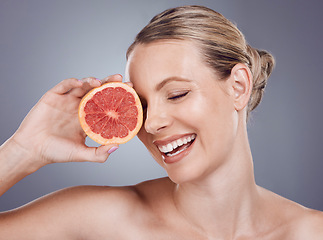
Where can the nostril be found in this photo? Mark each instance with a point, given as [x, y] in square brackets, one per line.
[161, 128]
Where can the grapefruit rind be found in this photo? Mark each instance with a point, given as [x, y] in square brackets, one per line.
[97, 137]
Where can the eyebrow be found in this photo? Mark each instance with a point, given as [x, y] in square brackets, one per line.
[170, 79]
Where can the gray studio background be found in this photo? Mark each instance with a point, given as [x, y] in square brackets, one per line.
[43, 42]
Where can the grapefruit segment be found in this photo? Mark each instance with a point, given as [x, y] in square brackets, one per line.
[111, 113]
[92, 106]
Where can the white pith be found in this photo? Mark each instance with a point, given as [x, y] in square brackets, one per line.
[175, 144]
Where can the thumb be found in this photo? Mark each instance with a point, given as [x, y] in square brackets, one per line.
[96, 154]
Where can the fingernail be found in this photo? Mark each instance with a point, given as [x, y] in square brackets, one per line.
[112, 149]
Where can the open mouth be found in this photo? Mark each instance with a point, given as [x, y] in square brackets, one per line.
[177, 146]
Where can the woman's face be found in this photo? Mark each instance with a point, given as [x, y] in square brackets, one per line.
[190, 120]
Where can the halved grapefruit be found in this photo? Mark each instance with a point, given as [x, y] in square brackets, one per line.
[111, 113]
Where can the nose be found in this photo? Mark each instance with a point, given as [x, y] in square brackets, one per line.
[157, 119]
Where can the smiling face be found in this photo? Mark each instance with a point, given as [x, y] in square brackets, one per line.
[191, 122]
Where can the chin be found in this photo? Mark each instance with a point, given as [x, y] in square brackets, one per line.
[185, 174]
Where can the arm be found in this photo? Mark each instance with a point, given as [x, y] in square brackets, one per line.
[50, 133]
[14, 162]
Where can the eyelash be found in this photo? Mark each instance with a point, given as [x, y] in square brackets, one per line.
[178, 96]
[172, 98]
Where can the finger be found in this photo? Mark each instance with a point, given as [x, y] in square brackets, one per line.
[112, 78]
[129, 84]
[87, 84]
[90, 80]
[66, 86]
[95, 154]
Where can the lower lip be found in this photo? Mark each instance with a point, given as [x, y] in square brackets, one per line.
[178, 157]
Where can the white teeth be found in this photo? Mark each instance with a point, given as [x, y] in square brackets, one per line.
[163, 148]
[169, 147]
[173, 145]
[179, 142]
[175, 153]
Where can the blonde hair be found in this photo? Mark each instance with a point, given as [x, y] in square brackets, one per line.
[221, 43]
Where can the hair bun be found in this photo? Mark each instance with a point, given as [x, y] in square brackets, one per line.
[261, 65]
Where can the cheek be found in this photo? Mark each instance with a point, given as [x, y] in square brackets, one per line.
[194, 110]
[146, 139]
[142, 133]
[216, 122]
[222, 133]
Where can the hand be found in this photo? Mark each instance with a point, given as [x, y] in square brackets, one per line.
[51, 131]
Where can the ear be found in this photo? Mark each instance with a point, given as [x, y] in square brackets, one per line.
[242, 85]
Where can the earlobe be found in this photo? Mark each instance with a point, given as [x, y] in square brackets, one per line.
[242, 85]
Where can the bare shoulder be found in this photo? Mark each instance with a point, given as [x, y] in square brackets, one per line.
[90, 198]
[110, 210]
[92, 212]
[290, 220]
[309, 224]
[104, 205]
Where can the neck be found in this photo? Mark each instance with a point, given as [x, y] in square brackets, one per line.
[224, 202]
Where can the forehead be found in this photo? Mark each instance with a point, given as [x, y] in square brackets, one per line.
[172, 44]
[163, 59]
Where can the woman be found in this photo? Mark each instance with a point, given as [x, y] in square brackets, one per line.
[198, 81]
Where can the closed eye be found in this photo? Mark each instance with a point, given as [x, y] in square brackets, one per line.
[177, 95]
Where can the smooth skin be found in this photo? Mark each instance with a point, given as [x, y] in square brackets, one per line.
[210, 193]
